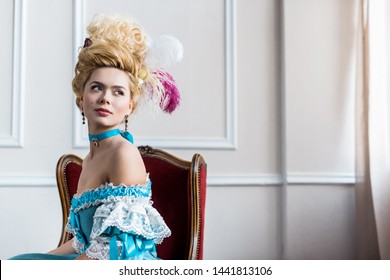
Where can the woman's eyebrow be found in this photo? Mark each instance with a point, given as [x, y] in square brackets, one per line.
[100, 83]
[118, 86]
[123, 88]
[95, 82]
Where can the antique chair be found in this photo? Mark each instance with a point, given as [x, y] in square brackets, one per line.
[178, 193]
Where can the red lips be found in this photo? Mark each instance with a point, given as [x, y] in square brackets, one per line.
[103, 112]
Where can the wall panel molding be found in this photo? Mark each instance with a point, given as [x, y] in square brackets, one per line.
[222, 180]
[20, 180]
[15, 139]
[217, 180]
[321, 178]
[277, 179]
[229, 142]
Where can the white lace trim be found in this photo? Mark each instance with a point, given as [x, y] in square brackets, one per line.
[69, 228]
[100, 248]
[135, 218]
[128, 214]
[78, 246]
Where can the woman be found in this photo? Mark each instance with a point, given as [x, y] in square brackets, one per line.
[111, 214]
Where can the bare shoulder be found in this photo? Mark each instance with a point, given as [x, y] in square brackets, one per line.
[126, 165]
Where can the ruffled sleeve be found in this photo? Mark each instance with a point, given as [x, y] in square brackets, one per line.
[125, 224]
[127, 228]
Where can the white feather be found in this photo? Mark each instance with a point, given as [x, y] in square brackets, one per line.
[164, 52]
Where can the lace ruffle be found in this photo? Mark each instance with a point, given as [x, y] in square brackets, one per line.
[78, 246]
[134, 218]
[100, 249]
[120, 209]
[109, 192]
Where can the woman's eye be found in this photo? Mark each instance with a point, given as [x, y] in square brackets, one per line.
[96, 88]
[119, 92]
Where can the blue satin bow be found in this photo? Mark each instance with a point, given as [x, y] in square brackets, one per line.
[127, 135]
[133, 246]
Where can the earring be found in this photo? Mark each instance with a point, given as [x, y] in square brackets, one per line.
[83, 117]
[126, 121]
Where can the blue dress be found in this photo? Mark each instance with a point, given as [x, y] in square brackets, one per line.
[113, 222]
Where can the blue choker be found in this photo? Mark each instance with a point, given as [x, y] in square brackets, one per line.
[95, 138]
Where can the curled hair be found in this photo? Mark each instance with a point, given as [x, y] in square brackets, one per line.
[115, 42]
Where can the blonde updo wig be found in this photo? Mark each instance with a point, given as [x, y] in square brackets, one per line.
[115, 42]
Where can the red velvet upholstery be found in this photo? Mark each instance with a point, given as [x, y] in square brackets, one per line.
[73, 171]
[202, 197]
[178, 193]
[168, 184]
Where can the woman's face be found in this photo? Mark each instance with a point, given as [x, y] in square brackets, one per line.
[106, 99]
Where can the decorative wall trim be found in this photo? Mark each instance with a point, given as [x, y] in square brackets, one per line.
[283, 214]
[15, 139]
[229, 142]
[231, 75]
[218, 180]
[244, 180]
[78, 133]
[321, 178]
[27, 181]
[276, 179]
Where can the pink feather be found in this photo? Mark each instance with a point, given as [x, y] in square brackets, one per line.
[170, 99]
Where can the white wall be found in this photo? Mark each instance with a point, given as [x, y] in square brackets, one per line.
[233, 112]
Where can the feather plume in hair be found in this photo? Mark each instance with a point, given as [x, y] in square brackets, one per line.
[170, 98]
[162, 53]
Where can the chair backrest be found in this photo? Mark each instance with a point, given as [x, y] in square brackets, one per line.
[178, 193]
